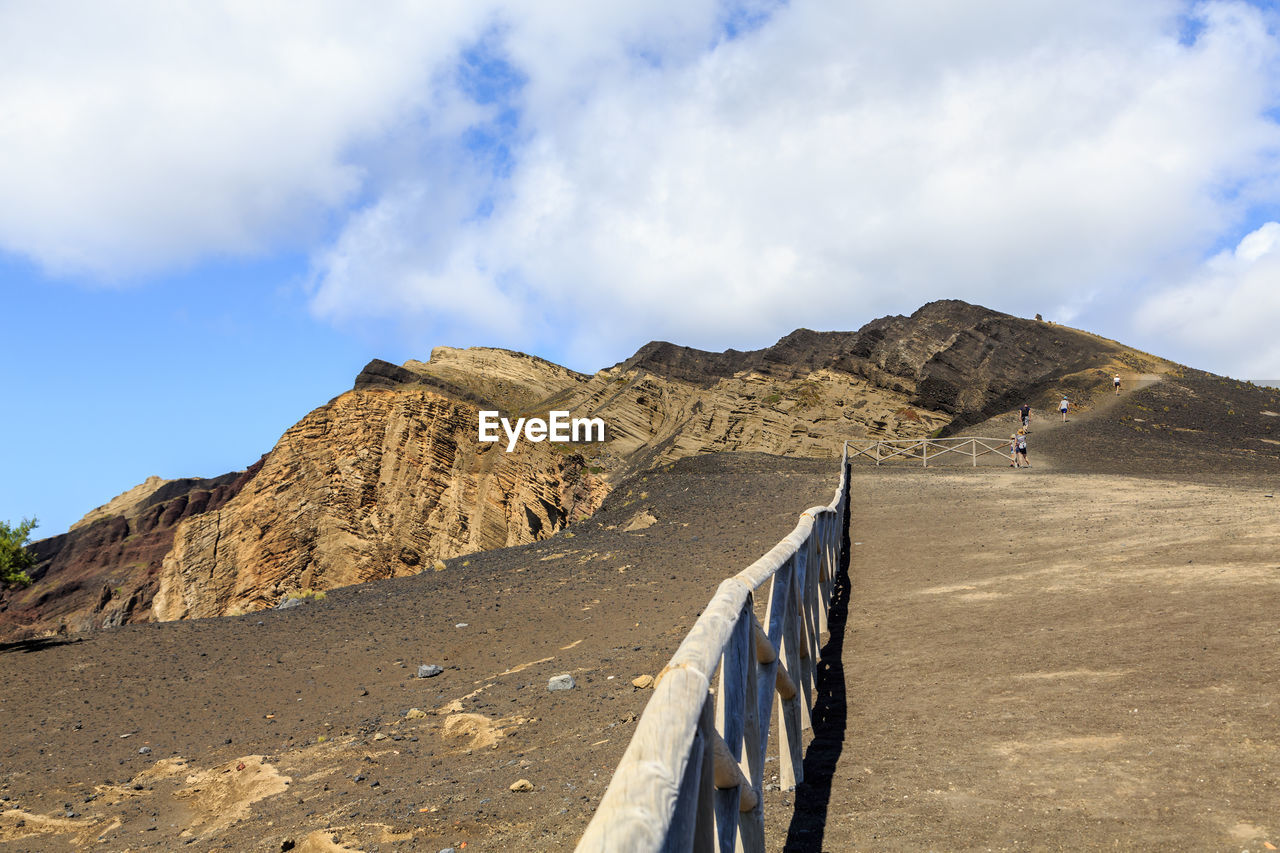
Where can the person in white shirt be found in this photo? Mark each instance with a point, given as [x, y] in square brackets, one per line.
[1062, 407]
[1117, 381]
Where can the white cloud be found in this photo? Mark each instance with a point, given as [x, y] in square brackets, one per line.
[841, 160]
[141, 135]
[850, 159]
[1226, 314]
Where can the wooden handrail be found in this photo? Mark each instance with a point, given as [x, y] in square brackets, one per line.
[925, 449]
[674, 790]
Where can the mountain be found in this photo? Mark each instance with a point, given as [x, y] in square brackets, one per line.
[389, 478]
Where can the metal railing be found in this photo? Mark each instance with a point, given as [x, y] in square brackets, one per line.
[692, 776]
[903, 449]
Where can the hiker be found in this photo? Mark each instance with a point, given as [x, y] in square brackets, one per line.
[1026, 415]
[1117, 381]
[1062, 407]
[1020, 451]
[1013, 450]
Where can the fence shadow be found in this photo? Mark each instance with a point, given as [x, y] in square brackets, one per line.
[830, 718]
[38, 644]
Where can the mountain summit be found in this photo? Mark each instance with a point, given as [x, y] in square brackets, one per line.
[389, 478]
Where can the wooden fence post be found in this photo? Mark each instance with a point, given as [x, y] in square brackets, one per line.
[692, 776]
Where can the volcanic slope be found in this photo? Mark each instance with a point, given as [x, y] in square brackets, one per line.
[1082, 655]
[259, 731]
[389, 478]
[951, 700]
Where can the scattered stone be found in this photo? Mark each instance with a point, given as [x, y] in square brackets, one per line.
[521, 786]
[288, 602]
[380, 736]
[415, 714]
[561, 682]
[640, 521]
[642, 682]
[461, 625]
[145, 750]
[429, 670]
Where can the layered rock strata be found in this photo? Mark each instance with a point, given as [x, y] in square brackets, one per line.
[390, 478]
[375, 484]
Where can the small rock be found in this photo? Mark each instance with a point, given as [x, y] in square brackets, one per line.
[415, 714]
[521, 786]
[145, 750]
[461, 625]
[288, 602]
[561, 682]
[429, 670]
[438, 565]
[380, 736]
[643, 682]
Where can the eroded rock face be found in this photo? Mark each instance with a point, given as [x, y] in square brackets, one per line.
[487, 376]
[375, 484]
[103, 572]
[390, 478]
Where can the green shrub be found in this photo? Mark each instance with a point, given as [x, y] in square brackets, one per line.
[15, 557]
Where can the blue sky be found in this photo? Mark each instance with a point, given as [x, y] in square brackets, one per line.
[212, 215]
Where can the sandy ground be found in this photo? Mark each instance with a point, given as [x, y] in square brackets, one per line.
[1060, 662]
[1058, 658]
[1079, 656]
[297, 729]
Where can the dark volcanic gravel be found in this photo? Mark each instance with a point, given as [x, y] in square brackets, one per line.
[322, 690]
[1194, 428]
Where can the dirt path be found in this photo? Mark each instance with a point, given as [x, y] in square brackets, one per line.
[1054, 662]
[1045, 422]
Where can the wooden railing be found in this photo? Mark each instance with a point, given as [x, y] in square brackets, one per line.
[692, 776]
[924, 449]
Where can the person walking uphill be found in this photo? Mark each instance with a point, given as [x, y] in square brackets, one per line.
[1026, 415]
[1117, 381]
[1018, 449]
[1062, 407]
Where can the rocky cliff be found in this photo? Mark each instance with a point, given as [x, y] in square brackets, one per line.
[375, 484]
[389, 478]
[105, 570]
